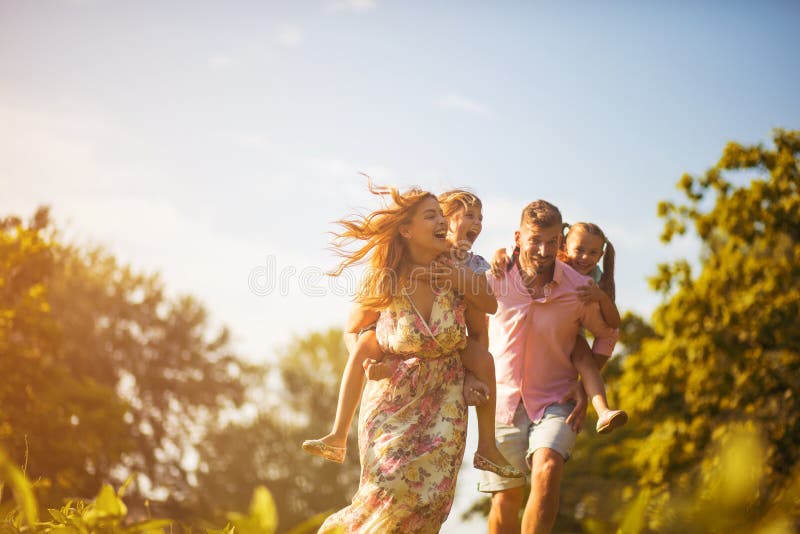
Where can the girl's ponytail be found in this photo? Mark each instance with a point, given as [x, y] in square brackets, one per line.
[607, 280]
[562, 249]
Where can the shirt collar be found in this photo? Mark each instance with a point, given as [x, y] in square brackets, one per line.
[558, 272]
[558, 276]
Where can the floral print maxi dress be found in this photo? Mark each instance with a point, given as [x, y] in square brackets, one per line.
[412, 426]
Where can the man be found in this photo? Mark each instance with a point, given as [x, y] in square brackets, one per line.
[532, 336]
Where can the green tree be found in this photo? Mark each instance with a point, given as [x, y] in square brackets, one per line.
[44, 407]
[300, 404]
[104, 375]
[599, 472]
[727, 343]
[713, 441]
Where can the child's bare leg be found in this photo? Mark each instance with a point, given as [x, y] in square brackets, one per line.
[478, 360]
[350, 388]
[585, 363]
[592, 381]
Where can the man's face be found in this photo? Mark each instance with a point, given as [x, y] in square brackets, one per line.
[538, 246]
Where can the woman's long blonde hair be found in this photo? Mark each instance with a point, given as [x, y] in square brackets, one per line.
[383, 249]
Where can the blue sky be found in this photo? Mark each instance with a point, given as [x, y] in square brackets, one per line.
[200, 138]
[206, 139]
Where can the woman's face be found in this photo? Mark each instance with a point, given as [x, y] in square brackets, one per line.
[426, 233]
[464, 226]
[584, 250]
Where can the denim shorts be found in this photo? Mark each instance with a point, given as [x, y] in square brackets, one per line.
[519, 440]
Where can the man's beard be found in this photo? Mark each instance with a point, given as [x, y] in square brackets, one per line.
[538, 267]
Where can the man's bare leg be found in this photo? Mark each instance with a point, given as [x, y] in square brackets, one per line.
[504, 514]
[542, 507]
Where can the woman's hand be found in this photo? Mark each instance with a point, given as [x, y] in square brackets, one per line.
[377, 369]
[590, 292]
[475, 391]
[500, 262]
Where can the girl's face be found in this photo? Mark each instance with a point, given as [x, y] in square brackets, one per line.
[464, 226]
[584, 250]
[426, 233]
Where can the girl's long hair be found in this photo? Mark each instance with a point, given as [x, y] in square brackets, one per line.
[606, 282]
[456, 199]
[382, 248]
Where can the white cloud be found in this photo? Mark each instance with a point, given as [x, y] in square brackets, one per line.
[220, 61]
[461, 102]
[257, 141]
[357, 6]
[289, 36]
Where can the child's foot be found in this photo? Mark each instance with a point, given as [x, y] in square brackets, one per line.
[493, 460]
[329, 447]
[611, 419]
[377, 370]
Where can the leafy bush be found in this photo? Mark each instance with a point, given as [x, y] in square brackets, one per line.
[107, 513]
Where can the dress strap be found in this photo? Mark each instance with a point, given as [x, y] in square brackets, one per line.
[424, 322]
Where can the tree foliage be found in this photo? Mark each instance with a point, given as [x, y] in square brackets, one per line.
[300, 405]
[726, 348]
[107, 513]
[106, 376]
[103, 374]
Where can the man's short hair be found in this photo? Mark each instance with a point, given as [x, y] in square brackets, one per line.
[540, 213]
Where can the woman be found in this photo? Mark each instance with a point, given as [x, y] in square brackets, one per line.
[412, 426]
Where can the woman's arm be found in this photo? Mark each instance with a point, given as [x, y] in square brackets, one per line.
[476, 392]
[477, 326]
[477, 292]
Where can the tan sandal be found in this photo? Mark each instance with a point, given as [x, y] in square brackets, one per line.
[506, 471]
[317, 447]
[613, 419]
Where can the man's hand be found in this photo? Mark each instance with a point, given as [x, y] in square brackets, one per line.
[475, 391]
[578, 415]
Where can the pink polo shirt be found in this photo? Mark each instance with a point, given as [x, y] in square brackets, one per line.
[531, 340]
